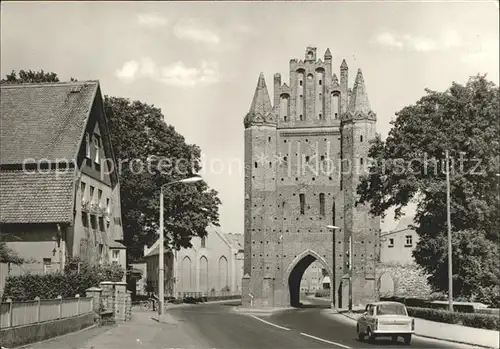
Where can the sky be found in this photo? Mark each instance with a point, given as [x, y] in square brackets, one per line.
[199, 61]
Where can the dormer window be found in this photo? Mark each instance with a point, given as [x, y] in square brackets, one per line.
[97, 145]
[87, 145]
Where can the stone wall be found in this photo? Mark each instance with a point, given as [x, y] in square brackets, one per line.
[402, 281]
[117, 299]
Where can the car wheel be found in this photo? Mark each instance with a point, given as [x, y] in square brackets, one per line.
[361, 335]
[370, 334]
[407, 339]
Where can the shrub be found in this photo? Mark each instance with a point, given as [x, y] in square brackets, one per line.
[485, 321]
[77, 277]
[322, 293]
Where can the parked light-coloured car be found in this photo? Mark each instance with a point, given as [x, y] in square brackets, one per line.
[386, 319]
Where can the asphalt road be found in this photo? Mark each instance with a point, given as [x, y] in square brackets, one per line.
[308, 327]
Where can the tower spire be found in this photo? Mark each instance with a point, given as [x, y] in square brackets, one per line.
[359, 100]
[261, 103]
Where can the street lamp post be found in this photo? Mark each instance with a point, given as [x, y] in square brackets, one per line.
[161, 286]
[333, 279]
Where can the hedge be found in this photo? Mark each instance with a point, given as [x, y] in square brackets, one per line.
[485, 321]
[322, 293]
[76, 278]
[423, 303]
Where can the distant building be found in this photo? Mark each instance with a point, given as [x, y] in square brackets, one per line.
[396, 246]
[314, 279]
[59, 195]
[213, 266]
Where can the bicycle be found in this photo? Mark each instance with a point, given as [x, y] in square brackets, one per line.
[147, 305]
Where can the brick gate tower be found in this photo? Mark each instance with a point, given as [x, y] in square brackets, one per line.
[304, 152]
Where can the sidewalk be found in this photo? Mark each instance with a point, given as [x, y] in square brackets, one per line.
[140, 332]
[450, 332]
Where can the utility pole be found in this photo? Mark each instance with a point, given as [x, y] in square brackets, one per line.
[350, 273]
[448, 216]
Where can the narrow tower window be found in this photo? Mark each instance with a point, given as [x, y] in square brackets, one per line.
[255, 164]
[302, 198]
[322, 204]
[361, 138]
[300, 82]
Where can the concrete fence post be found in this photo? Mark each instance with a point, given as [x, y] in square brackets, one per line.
[37, 309]
[60, 306]
[9, 319]
[77, 304]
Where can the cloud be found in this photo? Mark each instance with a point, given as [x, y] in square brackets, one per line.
[387, 39]
[449, 39]
[176, 74]
[152, 20]
[129, 71]
[485, 51]
[190, 29]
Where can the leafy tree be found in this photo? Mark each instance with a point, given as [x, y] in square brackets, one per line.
[29, 76]
[410, 165]
[7, 255]
[137, 132]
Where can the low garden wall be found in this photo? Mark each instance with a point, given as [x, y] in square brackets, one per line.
[20, 335]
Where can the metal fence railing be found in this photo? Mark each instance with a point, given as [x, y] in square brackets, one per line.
[13, 314]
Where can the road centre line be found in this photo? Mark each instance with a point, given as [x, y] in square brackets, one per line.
[326, 341]
[270, 323]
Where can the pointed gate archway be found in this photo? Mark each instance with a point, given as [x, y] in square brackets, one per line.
[296, 270]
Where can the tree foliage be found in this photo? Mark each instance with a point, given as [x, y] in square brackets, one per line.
[29, 76]
[139, 132]
[8, 255]
[410, 165]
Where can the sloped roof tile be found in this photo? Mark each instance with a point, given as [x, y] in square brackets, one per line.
[43, 121]
[41, 197]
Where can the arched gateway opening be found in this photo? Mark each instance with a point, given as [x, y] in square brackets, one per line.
[296, 270]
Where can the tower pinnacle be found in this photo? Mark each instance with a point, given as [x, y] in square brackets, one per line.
[343, 65]
[328, 54]
[359, 99]
[261, 103]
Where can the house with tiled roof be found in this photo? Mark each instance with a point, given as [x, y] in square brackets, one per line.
[59, 191]
[212, 266]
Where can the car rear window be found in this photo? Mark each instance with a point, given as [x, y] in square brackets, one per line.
[391, 309]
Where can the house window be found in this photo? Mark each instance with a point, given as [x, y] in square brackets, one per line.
[93, 221]
[97, 145]
[101, 224]
[101, 251]
[108, 208]
[203, 242]
[115, 256]
[85, 219]
[83, 186]
[87, 145]
[391, 242]
[91, 194]
[99, 196]
[302, 199]
[322, 204]
[408, 241]
[47, 265]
